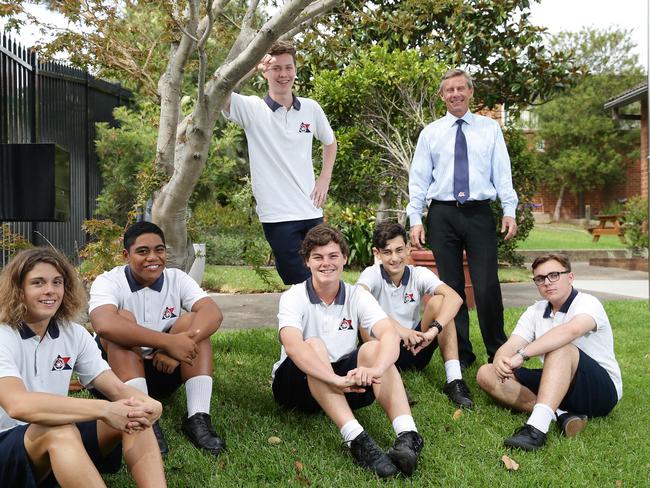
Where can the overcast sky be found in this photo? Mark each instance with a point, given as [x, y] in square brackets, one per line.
[572, 15]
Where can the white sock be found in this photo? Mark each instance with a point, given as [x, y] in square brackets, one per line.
[558, 412]
[198, 391]
[541, 417]
[351, 430]
[139, 384]
[452, 370]
[404, 423]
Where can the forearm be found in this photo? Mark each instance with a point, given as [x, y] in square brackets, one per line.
[128, 334]
[389, 345]
[552, 340]
[448, 311]
[49, 409]
[329, 156]
[309, 363]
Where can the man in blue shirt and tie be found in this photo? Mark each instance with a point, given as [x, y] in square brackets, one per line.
[460, 165]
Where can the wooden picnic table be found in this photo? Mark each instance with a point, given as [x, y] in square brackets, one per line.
[608, 224]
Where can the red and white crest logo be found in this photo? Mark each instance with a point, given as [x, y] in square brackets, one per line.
[346, 324]
[169, 313]
[61, 363]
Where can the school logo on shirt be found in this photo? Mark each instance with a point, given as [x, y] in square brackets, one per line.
[169, 313]
[61, 363]
[409, 298]
[346, 324]
[304, 127]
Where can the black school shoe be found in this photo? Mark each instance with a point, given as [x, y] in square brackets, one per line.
[198, 429]
[368, 454]
[458, 393]
[572, 423]
[160, 438]
[528, 438]
[406, 450]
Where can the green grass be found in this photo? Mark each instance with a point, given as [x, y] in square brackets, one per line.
[243, 279]
[566, 237]
[459, 453]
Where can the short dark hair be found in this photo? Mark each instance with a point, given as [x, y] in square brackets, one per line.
[136, 230]
[283, 47]
[385, 231]
[563, 259]
[322, 235]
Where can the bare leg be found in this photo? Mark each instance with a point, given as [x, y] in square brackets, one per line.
[559, 369]
[510, 393]
[331, 400]
[59, 449]
[202, 364]
[447, 339]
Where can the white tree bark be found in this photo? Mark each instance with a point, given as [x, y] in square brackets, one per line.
[182, 146]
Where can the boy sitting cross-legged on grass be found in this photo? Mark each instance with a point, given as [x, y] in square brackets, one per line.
[136, 312]
[580, 377]
[321, 366]
[400, 288]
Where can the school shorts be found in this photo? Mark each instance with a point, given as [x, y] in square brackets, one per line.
[592, 391]
[16, 468]
[291, 389]
[407, 361]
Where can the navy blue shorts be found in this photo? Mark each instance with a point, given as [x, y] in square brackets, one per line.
[291, 389]
[407, 361]
[592, 391]
[16, 468]
[159, 385]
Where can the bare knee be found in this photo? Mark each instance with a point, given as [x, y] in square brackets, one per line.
[46, 437]
[319, 346]
[368, 353]
[567, 354]
[486, 377]
[183, 323]
[434, 304]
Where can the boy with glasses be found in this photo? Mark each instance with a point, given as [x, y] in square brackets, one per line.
[571, 334]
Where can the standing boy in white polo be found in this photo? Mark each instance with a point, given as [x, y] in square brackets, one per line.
[136, 312]
[280, 130]
[571, 334]
[400, 289]
[321, 366]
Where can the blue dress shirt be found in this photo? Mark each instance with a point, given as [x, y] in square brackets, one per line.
[432, 169]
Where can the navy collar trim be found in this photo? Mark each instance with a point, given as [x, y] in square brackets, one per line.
[27, 333]
[315, 299]
[405, 277]
[136, 286]
[565, 306]
[273, 105]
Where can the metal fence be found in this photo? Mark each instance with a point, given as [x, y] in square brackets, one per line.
[53, 103]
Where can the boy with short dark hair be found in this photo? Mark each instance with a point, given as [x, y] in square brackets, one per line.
[321, 366]
[136, 312]
[400, 289]
[571, 334]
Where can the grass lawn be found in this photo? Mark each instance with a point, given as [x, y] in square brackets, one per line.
[464, 452]
[243, 279]
[565, 237]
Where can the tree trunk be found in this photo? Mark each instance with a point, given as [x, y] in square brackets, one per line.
[558, 204]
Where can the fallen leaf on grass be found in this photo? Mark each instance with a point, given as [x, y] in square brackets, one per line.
[301, 479]
[619, 482]
[274, 440]
[457, 414]
[647, 356]
[511, 464]
[299, 466]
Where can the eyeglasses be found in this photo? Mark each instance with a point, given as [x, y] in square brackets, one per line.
[553, 276]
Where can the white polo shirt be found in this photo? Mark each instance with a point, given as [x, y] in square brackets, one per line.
[335, 324]
[400, 302]
[156, 307]
[46, 365]
[280, 153]
[539, 318]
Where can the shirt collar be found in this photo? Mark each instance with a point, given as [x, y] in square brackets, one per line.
[273, 105]
[565, 306]
[405, 277]
[136, 286]
[27, 333]
[315, 299]
[468, 118]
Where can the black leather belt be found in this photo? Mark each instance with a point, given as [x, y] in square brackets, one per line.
[455, 203]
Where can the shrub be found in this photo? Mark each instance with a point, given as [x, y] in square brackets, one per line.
[636, 223]
[357, 224]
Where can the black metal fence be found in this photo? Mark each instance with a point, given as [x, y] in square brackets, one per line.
[53, 103]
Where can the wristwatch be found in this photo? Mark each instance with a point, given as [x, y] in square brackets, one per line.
[524, 356]
[437, 325]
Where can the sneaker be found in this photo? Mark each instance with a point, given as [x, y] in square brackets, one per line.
[458, 393]
[528, 438]
[572, 423]
[368, 454]
[406, 450]
[198, 428]
[160, 437]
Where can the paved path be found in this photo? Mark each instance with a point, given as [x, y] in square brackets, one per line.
[243, 311]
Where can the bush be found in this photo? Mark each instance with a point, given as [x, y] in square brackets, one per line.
[233, 249]
[357, 224]
[636, 223]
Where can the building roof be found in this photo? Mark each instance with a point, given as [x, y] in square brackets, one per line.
[627, 97]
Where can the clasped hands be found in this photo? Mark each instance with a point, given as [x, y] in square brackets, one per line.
[180, 347]
[504, 367]
[130, 415]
